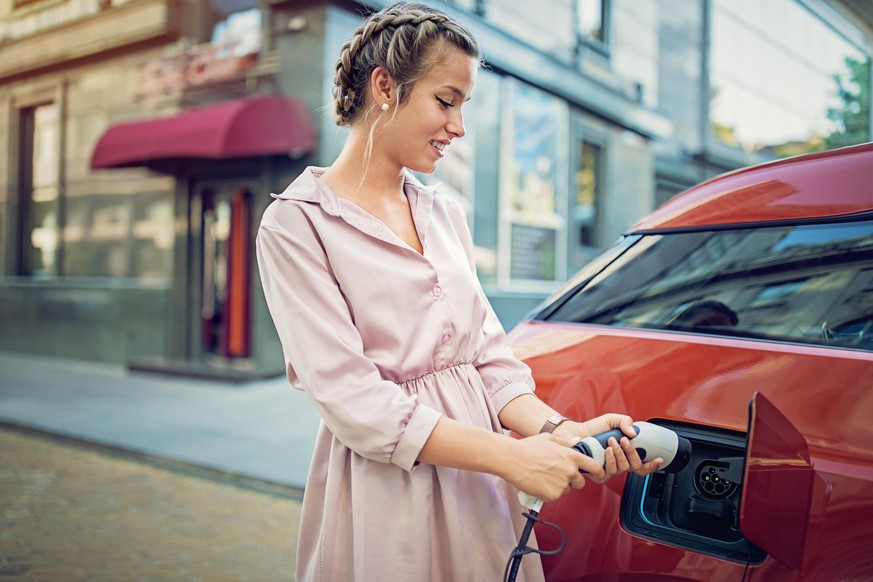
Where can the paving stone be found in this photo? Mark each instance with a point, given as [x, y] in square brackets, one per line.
[72, 514]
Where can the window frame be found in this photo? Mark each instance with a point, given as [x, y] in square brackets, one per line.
[20, 103]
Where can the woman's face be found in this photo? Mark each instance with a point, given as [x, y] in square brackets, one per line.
[430, 118]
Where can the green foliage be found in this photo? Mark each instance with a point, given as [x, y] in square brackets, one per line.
[853, 116]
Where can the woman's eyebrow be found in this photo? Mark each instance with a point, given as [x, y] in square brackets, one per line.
[458, 92]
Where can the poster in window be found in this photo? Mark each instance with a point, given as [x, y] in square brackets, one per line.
[531, 201]
[533, 253]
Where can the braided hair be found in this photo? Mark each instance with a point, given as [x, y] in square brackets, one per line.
[398, 38]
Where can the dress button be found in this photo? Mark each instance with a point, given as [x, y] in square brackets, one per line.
[437, 291]
[446, 338]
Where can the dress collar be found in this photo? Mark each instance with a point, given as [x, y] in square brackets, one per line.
[307, 187]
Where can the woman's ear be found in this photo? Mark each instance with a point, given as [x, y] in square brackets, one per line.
[382, 87]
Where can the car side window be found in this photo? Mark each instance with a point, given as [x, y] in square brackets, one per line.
[801, 283]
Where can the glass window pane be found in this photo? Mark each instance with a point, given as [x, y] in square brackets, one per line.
[487, 126]
[45, 146]
[585, 241]
[782, 81]
[40, 154]
[153, 237]
[587, 186]
[531, 205]
[42, 239]
[589, 18]
[471, 5]
[808, 284]
[239, 34]
[104, 239]
[547, 25]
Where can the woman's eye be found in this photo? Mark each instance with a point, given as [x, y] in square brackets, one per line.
[445, 104]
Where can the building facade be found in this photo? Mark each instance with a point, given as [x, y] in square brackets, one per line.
[140, 140]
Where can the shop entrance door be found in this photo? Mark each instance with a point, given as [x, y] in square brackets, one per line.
[226, 271]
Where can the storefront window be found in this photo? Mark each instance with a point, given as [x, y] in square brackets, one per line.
[782, 81]
[40, 163]
[152, 234]
[533, 217]
[123, 235]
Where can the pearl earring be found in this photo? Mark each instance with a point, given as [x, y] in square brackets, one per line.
[385, 107]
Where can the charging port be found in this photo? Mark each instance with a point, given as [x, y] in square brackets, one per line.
[715, 480]
[698, 507]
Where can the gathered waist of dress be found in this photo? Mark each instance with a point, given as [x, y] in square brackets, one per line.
[452, 368]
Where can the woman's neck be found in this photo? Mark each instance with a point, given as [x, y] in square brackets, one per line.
[354, 176]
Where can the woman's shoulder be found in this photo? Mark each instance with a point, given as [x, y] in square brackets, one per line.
[303, 200]
[304, 187]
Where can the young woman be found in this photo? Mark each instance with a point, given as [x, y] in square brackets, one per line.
[371, 283]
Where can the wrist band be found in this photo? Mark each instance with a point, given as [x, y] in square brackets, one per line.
[553, 422]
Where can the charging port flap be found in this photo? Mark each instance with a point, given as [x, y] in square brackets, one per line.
[777, 460]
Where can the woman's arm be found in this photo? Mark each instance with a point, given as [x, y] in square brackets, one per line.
[527, 414]
[324, 351]
[544, 465]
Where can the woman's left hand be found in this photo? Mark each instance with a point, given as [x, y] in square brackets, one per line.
[620, 455]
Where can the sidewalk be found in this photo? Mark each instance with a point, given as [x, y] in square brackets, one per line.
[72, 514]
[262, 430]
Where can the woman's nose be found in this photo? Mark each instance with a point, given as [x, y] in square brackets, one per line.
[456, 125]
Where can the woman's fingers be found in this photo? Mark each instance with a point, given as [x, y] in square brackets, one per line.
[650, 467]
[546, 466]
[634, 462]
[577, 481]
[551, 467]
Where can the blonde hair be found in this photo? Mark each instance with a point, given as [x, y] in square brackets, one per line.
[398, 38]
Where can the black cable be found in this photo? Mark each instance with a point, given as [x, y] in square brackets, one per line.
[514, 561]
[746, 569]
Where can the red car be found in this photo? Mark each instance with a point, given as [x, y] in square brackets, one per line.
[740, 315]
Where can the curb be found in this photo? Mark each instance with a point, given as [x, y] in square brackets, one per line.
[242, 481]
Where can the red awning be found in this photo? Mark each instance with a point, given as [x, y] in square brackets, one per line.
[253, 126]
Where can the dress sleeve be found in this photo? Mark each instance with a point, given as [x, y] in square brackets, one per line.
[505, 376]
[324, 351]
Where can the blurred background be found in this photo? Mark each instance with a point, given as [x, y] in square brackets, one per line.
[140, 140]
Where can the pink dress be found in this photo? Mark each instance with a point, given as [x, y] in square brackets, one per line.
[385, 341]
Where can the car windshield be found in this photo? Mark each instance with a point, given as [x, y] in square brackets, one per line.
[808, 283]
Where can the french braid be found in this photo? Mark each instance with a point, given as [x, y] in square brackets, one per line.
[398, 38]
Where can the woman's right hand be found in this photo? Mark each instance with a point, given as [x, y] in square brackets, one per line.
[547, 467]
